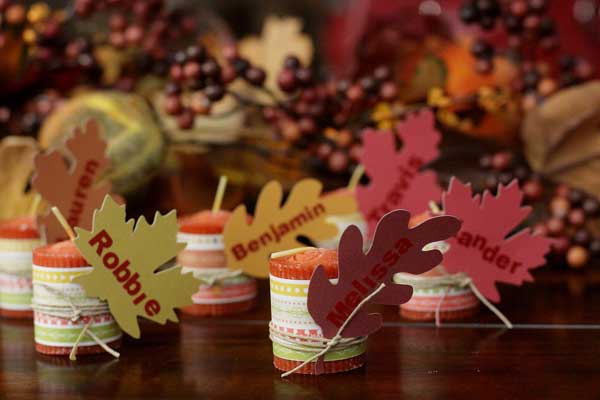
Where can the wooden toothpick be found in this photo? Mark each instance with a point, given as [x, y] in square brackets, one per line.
[219, 195]
[63, 222]
[358, 172]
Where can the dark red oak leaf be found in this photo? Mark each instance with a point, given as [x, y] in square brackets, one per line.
[397, 178]
[395, 248]
[481, 248]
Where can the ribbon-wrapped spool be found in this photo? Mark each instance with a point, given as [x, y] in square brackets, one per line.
[295, 335]
[18, 238]
[65, 318]
[222, 290]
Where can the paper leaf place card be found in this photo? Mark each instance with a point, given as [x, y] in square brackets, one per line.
[396, 248]
[276, 226]
[125, 256]
[397, 178]
[481, 248]
[72, 186]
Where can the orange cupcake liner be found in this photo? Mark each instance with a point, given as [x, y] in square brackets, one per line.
[330, 367]
[16, 314]
[81, 350]
[208, 310]
[444, 315]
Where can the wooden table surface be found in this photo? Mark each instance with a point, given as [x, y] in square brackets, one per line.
[553, 352]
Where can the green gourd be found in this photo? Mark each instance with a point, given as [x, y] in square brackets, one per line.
[136, 145]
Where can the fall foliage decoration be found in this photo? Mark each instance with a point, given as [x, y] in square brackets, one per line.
[395, 248]
[397, 178]
[125, 256]
[72, 186]
[481, 249]
[16, 167]
[277, 226]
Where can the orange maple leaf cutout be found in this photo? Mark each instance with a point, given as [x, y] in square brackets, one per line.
[481, 248]
[398, 180]
[396, 248]
[70, 181]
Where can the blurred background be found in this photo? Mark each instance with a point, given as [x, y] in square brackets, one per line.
[186, 91]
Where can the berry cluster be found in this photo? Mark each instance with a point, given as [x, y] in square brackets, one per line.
[313, 115]
[324, 117]
[42, 30]
[197, 80]
[569, 210]
[503, 167]
[531, 40]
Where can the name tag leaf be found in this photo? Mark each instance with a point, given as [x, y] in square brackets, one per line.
[72, 186]
[125, 256]
[395, 248]
[481, 248]
[276, 226]
[398, 180]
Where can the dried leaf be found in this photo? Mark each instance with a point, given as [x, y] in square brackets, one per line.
[562, 137]
[481, 249]
[397, 178]
[125, 256]
[16, 166]
[276, 227]
[72, 187]
[279, 38]
[395, 248]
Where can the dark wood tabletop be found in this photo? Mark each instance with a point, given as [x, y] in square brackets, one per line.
[552, 352]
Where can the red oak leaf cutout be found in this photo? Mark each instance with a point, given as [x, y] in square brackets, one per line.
[72, 185]
[397, 178]
[481, 249]
[395, 248]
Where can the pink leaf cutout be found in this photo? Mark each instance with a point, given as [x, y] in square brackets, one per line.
[481, 249]
[395, 248]
[397, 178]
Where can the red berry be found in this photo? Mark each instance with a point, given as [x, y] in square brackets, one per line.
[533, 190]
[577, 257]
[502, 160]
[338, 161]
[191, 70]
[185, 120]
[576, 217]
[555, 226]
[287, 81]
[388, 91]
[355, 93]
[172, 105]
[560, 245]
[559, 207]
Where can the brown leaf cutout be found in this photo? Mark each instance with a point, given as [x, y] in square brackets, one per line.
[279, 38]
[16, 166]
[396, 248]
[72, 186]
[562, 137]
[276, 227]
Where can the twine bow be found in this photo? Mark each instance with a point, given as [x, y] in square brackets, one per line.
[74, 313]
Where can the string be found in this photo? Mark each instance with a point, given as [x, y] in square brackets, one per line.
[338, 336]
[77, 312]
[438, 320]
[460, 279]
[308, 343]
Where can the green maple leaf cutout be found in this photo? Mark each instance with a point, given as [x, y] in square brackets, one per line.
[125, 252]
